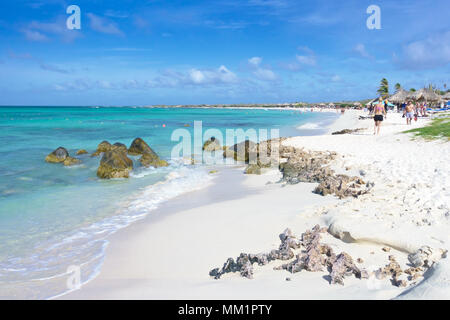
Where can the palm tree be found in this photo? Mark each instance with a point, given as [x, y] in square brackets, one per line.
[398, 86]
[412, 90]
[383, 91]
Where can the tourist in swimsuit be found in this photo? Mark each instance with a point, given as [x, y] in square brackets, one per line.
[409, 112]
[378, 118]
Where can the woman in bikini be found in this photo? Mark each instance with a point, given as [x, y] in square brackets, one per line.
[378, 118]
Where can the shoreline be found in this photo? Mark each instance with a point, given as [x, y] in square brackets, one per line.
[220, 222]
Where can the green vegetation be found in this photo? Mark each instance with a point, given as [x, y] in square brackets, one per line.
[383, 90]
[398, 86]
[439, 128]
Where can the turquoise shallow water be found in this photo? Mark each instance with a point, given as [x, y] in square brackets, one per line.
[53, 217]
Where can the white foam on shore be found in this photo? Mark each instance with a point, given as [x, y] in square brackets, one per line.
[88, 244]
[310, 125]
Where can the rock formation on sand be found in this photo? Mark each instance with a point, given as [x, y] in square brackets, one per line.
[243, 151]
[58, 155]
[315, 257]
[347, 131]
[212, 144]
[426, 256]
[103, 146]
[257, 155]
[314, 166]
[393, 270]
[114, 164]
[308, 253]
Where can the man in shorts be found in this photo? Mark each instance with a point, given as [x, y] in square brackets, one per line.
[409, 112]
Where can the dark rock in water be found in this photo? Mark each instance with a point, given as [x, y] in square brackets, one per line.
[347, 131]
[149, 157]
[152, 160]
[212, 144]
[114, 164]
[120, 147]
[103, 146]
[81, 151]
[69, 161]
[139, 146]
[58, 155]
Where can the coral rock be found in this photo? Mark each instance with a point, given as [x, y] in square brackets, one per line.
[58, 155]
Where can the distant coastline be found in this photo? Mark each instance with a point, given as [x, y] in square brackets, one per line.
[296, 105]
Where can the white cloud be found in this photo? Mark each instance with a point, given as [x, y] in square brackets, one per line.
[103, 25]
[255, 61]
[261, 73]
[33, 35]
[265, 74]
[53, 68]
[41, 31]
[336, 78]
[361, 50]
[431, 52]
[220, 75]
[306, 60]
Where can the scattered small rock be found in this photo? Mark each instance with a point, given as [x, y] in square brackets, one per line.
[347, 131]
[81, 151]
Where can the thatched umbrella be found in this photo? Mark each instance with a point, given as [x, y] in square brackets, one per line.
[400, 96]
[446, 96]
[371, 102]
[427, 95]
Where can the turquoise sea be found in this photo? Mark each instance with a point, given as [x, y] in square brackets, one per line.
[53, 217]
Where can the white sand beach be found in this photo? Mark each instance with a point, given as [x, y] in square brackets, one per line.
[169, 254]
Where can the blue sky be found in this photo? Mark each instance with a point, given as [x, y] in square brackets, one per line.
[194, 52]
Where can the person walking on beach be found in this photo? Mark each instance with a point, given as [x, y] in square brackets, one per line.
[379, 111]
[409, 109]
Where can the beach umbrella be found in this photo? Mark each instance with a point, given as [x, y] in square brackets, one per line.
[400, 96]
[447, 96]
[371, 102]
